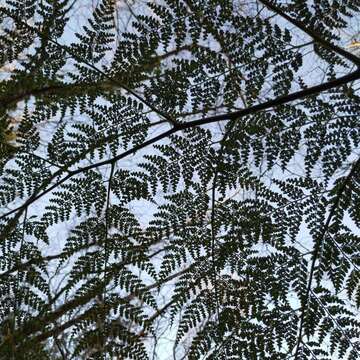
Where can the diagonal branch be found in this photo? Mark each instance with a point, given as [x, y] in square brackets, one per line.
[22, 91]
[313, 34]
[317, 247]
[91, 66]
[237, 115]
[38, 324]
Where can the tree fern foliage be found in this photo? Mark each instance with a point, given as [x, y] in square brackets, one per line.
[184, 170]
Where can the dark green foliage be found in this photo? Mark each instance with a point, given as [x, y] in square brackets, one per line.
[135, 190]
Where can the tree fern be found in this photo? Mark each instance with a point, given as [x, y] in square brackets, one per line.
[179, 169]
